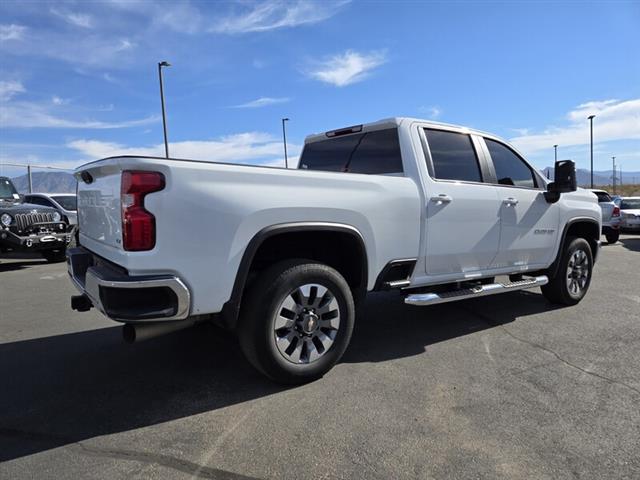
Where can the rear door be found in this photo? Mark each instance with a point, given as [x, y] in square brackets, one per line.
[462, 211]
[529, 224]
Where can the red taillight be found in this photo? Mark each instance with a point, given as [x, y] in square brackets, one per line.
[138, 225]
[616, 212]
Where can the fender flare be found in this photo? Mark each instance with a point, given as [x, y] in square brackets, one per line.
[553, 268]
[231, 308]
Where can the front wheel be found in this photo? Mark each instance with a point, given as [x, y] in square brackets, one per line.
[573, 276]
[296, 321]
[55, 256]
[612, 237]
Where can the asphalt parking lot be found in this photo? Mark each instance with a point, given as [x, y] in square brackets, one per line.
[497, 387]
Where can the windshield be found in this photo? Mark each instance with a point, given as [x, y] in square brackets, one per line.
[68, 202]
[7, 190]
[630, 204]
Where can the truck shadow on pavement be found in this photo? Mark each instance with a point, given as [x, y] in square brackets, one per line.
[64, 389]
[632, 244]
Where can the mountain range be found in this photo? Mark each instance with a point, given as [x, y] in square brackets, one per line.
[46, 182]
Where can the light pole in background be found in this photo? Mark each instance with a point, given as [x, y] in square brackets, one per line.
[590, 117]
[284, 140]
[614, 174]
[555, 153]
[164, 117]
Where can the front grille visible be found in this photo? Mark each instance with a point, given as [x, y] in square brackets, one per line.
[24, 220]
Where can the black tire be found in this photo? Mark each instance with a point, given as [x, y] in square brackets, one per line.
[561, 288]
[55, 256]
[262, 304]
[612, 237]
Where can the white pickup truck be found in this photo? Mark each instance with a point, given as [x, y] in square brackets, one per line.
[283, 256]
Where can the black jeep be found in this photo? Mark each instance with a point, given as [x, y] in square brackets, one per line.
[28, 227]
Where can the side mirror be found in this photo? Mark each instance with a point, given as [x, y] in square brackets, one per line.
[564, 180]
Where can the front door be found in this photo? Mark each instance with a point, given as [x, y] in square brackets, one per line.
[529, 223]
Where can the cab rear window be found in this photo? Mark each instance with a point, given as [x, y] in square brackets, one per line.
[376, 152]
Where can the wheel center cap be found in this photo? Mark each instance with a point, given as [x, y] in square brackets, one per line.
[309, 322]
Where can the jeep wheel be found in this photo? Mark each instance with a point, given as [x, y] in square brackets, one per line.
[612, 237]
[573, 276]
[296, 321]
[55, 256]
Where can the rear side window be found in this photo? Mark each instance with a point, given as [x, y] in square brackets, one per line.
[603, 197]
[510, 168]
[453, 156]
[375, 152]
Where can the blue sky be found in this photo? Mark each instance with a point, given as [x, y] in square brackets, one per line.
[78, 80]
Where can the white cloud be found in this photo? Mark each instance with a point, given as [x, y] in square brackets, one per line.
[56, 100]
[273, 14]
[124, 44]
[33, 115]
[347, 68]
[11, 32]
[250, 147]
[9, 88]
[78, 19]
[433, 112]
[262, 102]
[615, 120]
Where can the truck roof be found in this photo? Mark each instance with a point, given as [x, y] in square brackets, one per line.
[387, 123]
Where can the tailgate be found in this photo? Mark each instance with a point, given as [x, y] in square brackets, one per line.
[99, 214]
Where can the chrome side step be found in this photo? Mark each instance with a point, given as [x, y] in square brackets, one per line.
[422, 299]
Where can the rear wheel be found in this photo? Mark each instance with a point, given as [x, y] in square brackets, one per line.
[296, 321]
[612, 237]
[573, 277]
[55, 256]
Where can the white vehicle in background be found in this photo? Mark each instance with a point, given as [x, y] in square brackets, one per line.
[65, 203]
[630, 213]
[610, 215]
[282, 256]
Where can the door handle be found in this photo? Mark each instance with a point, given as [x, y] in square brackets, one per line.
[442, 198]
[510, 201]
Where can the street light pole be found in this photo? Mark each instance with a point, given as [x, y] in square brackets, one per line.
[555, 153]
[284, 140]
[590, 117]
[614, 174]
[164, 117]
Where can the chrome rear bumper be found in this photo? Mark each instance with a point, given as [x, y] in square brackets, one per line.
[126, 298]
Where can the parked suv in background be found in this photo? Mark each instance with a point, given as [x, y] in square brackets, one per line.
[630, 213]
[610, 215]
[27, 227]
[65, 203]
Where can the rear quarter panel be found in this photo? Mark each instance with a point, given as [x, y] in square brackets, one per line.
[208, 213]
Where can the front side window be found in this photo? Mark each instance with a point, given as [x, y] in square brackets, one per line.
[453, 156]
[376, 152]
[510, 168]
